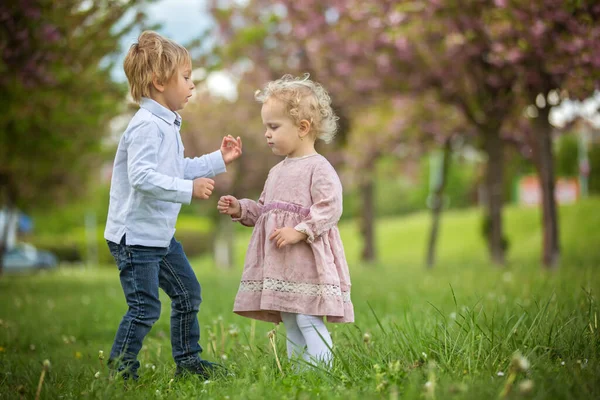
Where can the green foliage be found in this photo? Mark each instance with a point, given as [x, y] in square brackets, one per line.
[399, 193]
[58, 102]
[566, 156]
[458, 326]
[594, 157]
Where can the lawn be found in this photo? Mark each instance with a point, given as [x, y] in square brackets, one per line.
[464, 329]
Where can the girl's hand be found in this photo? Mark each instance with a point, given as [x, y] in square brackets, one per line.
[285, 236]
[229, 205]
[231, 148]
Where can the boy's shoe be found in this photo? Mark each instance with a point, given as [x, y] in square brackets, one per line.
[203, 369]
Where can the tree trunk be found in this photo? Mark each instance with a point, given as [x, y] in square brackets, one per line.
[437, 202]
[367, 215]
[545, 169]
[224, 243]
[494, 148]
[7, 202]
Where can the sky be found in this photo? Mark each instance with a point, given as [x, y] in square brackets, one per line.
[182, 21]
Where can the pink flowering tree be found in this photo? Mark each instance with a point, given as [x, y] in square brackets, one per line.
[488, 60]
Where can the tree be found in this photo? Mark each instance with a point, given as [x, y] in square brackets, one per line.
[57, 95]
[482, 57]
[554, 48]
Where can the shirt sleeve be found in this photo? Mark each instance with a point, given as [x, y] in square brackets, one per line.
[206, 166]
[326, 210]
[142, 162]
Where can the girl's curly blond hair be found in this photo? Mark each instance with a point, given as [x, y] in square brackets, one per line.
[304, 99]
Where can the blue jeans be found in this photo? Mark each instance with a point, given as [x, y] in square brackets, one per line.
[142, 271]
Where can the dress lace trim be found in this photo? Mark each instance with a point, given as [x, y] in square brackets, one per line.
[308, 289]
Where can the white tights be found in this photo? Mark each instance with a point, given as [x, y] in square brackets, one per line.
[307, 331]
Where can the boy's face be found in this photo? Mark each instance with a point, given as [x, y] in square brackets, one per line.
[179, 89]
[282, 133]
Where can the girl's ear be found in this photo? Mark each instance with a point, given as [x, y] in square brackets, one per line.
[304, 127]
[157, 84]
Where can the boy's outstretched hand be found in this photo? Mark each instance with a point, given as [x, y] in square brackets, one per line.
[287, 235]
[231, 148]
[229, 205]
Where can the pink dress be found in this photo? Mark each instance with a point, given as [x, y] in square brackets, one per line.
[308, 277]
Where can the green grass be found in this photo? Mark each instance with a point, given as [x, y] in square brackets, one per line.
[456, 326]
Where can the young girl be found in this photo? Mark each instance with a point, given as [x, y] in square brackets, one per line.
[295, 269]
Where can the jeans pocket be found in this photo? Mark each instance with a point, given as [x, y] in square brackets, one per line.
[114, 250]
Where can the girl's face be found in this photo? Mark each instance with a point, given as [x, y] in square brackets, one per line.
[282, 134]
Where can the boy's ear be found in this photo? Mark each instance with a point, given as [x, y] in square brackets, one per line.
[158, 85]
[304, 127]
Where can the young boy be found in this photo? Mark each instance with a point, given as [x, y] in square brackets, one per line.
[151, 179]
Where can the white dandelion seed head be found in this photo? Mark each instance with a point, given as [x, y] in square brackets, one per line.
[500, 373]
[520, 362]
[526, 386]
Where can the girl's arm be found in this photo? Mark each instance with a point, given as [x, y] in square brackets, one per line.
[250, 210]
[326, 193]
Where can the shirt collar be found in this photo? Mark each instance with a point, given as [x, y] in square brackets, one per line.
[170, 117]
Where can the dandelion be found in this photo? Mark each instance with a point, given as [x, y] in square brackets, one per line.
[500, 373]
[78, 355]
[429, 387]
[367, 338]
[520, 363]
[224, 357]
[526, 386]
[97, 375]
[562, 363]
[45, 369]
[2, 349]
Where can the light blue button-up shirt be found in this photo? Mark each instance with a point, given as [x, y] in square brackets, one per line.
[151, 178]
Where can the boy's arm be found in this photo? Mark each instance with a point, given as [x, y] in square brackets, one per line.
[142, 162]
[205, 166]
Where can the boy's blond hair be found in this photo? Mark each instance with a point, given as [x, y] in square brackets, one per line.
[304, 99]
[153, 56]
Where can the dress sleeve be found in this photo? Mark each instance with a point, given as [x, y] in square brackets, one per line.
[251, 210]
[326, 210]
